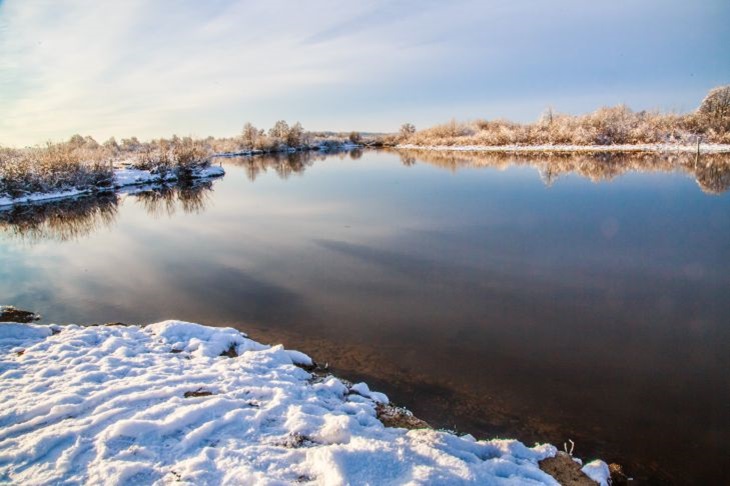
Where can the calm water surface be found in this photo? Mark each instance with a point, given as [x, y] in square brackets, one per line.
[543, 300]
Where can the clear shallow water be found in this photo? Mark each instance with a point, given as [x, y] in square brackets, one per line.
[465, 287]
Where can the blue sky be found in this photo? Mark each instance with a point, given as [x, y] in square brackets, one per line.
[154, 68]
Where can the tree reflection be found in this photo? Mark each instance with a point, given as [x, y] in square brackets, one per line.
[287, 164]
[75, 218]
[711, 171]
[63, 220]
[165, 200]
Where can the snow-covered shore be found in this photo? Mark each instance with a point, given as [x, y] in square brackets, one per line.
[326, 147]
[657, 148]
[122, 177]
[181, 402]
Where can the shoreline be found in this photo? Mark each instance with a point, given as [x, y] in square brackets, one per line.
[584, 149]
[327, 148]
[123, 177]
[195, 350]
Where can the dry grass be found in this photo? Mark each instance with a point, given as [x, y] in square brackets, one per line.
[54, 167]
[615, 125]
[82, 163]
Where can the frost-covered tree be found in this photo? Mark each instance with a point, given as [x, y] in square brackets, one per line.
[406, 130]
[716, 106]
[249, 136]
[89, 142]
[111, 144]
[355, 137]
[279, 131]
[130, 144]
[76, 141]
[295, 135]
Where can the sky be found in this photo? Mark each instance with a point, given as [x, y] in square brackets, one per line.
[152, 68]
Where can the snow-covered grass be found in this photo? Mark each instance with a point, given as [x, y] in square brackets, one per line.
[121, 178]
[81, 165]
[164, 403]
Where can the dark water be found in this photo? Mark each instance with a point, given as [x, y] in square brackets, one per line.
[543, 299]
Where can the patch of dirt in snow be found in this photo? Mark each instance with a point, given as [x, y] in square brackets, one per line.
[392, 416]
[567, 472]
[197, 393]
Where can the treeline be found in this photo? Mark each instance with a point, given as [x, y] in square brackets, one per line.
[282, 137]
[618, 125]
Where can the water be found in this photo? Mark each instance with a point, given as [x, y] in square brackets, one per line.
[547, 300]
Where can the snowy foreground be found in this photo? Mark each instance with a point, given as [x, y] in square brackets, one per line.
[122, 178]
[161, 404]
[705, 148]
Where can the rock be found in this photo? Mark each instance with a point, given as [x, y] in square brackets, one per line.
[565, 470]
[8, 313]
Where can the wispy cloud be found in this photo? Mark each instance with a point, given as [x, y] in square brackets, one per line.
[154, 68]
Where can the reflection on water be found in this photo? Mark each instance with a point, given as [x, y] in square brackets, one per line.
[286, 164]
[164, 200]
[477, 296]
[74, 218]
[66, 219]
[711, 171]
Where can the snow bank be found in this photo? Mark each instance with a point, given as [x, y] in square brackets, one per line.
[38, 197]
[598, 471]
[659, 148]
[129, 176]
[158, 404]
[14, 334]
[122, 178]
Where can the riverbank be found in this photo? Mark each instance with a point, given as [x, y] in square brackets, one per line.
[331, 146]
[704, 148]
[121, 177]
[177, 401]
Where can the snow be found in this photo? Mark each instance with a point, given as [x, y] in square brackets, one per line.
[660, 148]
[38, 197]
[598, 471]
[128, 176]
[122, 177]
[158, 404]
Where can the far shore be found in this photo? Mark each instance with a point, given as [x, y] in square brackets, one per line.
[705, 148]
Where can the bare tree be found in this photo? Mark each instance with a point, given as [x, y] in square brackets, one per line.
[279, 131]
[249, 136]
[295, 135]
[355, 137]
[716, 105]
[406, 130]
